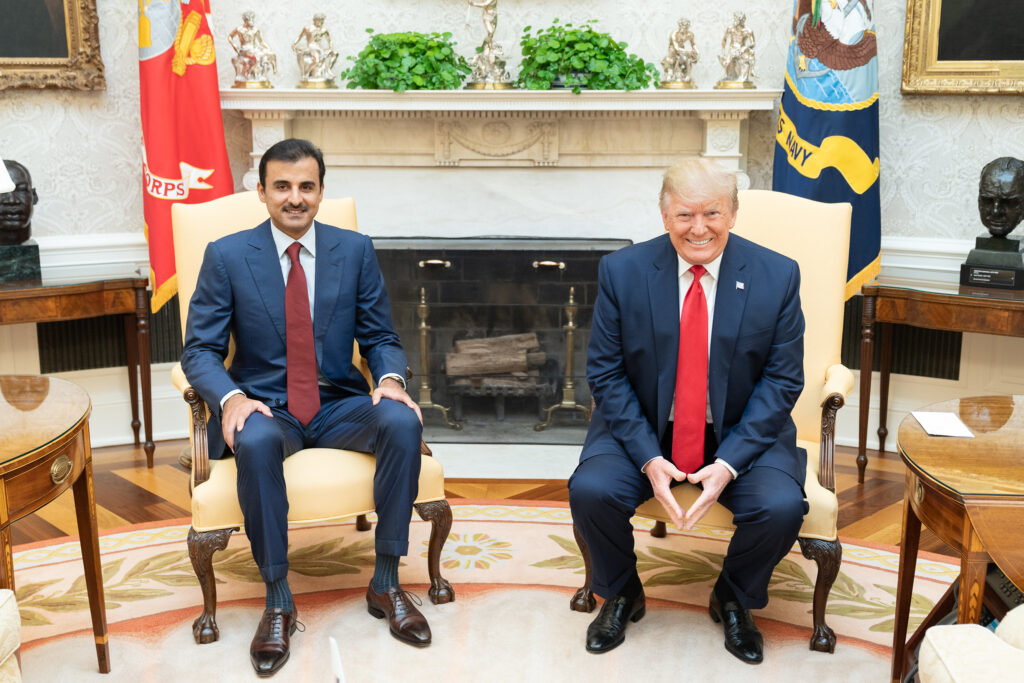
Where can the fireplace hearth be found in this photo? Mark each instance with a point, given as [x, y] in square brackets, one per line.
[495, 329]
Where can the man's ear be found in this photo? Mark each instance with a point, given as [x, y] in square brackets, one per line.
[260, 192]
[35, 197]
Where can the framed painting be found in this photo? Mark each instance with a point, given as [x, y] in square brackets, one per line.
[963, 47]
[50, 44]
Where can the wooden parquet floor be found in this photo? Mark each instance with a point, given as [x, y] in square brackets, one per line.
[128, 493]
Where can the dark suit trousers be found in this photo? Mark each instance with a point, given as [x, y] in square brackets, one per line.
[390, 430]
[767, 506]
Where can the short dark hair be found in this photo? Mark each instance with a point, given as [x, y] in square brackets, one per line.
[292, 150]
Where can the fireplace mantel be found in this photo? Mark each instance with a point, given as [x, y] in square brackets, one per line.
[513, 128]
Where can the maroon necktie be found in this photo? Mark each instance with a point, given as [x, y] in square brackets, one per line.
[303, 391]
[691, 379]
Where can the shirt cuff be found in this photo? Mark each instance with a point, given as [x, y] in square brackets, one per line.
[729, 467]
[392, 375]
[225, 397]
[644, 468]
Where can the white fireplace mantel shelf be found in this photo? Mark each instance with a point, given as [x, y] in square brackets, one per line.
[639, 129]
[498, 100]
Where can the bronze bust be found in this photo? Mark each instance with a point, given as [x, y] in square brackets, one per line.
[1001, 195]
[16, 206]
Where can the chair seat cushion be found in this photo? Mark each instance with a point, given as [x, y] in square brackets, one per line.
[323, 484]
[968, 653]
[820, 522]
[10, 636]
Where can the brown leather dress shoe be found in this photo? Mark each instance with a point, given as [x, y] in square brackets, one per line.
[269, 649]
[404, 620]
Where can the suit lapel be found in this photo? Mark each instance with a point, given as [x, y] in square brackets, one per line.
[730, 300]
[663, 293]
[265, 266]
[330, 259]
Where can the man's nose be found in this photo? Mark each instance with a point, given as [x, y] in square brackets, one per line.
[997, 206]
[294, 196]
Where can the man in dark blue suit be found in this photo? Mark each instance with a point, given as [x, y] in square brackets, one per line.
[294, 294]
[695, 362]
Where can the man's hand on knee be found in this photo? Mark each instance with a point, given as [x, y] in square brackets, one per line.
[392, 388]
[662, 472]
[237, 410]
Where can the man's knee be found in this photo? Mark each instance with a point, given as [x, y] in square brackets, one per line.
[591, 491]
[259, 442]
[398, 421]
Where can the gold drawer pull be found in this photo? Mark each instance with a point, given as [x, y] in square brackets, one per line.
[918, 492]
[433, 262]
[60, 469]
[549, 264]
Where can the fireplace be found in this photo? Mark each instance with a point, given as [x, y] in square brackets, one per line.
[496, 330]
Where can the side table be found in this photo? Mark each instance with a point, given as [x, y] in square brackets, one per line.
[970, 493]
[44, 450]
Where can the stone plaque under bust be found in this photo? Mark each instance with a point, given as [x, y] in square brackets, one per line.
[996, 261]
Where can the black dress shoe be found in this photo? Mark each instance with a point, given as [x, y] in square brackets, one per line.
[608, 630]
[399, 606]
[742, 638]
[270, 646]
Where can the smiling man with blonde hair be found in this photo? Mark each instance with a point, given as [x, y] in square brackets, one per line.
[695, 362]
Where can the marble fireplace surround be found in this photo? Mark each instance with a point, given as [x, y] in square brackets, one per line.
[474, 164]
[523, 163]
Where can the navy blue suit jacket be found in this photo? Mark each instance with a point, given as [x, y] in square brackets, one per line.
[755, 367]
[240, 294]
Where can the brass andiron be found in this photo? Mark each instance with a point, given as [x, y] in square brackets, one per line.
[568, 384]
[425, 401]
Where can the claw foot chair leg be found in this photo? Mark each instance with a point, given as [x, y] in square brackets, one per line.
[201, 546]
[827, 555]
[363, 524]
[439, 514]
[583, 600]
[658, 530]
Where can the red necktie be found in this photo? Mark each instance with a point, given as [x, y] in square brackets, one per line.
[303, 391]
[691, 379]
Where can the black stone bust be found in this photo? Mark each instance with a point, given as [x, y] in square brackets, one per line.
[1001, 195]
[16, 206]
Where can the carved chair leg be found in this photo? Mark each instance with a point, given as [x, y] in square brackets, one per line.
[583, 600]
[439, 514]
[658, 530]
[201, 546]
[362, 523]
[827, 555]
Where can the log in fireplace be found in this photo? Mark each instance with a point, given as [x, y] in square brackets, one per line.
[496, 329]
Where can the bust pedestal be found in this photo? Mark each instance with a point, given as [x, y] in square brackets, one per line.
[20, 263]
[994, 262]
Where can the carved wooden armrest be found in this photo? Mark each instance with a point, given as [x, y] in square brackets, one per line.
[838, 384]
[200, 443]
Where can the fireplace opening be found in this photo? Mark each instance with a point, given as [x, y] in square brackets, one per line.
[496, 331]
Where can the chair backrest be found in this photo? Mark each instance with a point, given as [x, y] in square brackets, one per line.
[817, 236]
[196, 225]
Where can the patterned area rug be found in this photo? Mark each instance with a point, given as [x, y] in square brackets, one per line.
[514, 568]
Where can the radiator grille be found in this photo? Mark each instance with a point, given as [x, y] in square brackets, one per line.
[99, 342]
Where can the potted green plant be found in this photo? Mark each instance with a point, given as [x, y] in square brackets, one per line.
[580, 57]
[407, 61]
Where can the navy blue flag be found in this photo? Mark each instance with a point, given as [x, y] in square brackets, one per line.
[827, 136]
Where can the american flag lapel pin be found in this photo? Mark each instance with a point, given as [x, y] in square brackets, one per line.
[739, 285]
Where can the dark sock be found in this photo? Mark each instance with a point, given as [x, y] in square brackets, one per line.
[385, 573]
[633, 587]
[279, 595]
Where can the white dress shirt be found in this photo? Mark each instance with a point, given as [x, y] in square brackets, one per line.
[708, 283]
[307, 259]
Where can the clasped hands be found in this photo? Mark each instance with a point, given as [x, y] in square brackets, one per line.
[239, 407]
[714, 477]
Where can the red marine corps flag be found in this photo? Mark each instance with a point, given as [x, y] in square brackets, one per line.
[183, 154]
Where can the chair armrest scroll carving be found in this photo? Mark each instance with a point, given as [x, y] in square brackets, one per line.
[838, 384]
[200, 446]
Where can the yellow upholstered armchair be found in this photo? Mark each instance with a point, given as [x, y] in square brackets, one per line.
[817, 236]
[322, 483]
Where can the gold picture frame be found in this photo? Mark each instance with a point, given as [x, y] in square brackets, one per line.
[81, 68]
[925, 73]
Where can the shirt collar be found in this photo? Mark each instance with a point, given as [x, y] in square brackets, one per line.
[282, 240]
[713, 268]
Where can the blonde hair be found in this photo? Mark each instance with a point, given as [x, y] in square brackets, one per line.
[698, 179]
